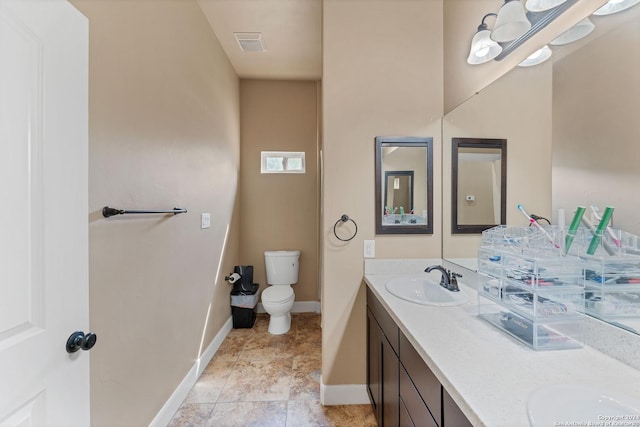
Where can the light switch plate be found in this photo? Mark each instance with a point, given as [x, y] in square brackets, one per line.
[369, 248]
[205, 220]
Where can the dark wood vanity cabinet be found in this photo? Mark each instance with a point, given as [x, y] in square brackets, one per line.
[452, 416]
[419, 387]
[417, 412]
[403, 390]
[374, 365]
[382, 365]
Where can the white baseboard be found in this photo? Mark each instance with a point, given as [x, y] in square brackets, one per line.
[299, 307]
[164, 416]
[344, 394]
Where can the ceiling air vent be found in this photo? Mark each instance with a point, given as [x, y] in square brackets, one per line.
[250, 42]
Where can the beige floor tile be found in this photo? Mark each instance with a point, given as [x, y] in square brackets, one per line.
[306, 413]
[305, 381]
[258, 380]
[266, 346]
[369, 416]
[232, 345]
[262, 323]
[219, 367]
[309, 334]
[305, 348]
[249, 414]
[192, 415]
[308, 321]
[206, 390]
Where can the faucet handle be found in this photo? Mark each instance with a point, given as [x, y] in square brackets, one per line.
[453, 281]
[454, 277]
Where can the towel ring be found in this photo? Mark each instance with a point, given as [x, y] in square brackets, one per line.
[344, 218]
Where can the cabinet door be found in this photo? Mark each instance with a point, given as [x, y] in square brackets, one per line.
[424, 380]
[387, 324]
[374, 365]
[413, 403]
[390, 386]
[452, 416]
[405, 419]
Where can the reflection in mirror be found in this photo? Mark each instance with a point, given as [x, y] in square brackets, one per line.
[587, 119]
[398, 190]
[479, 184]
[404, 185]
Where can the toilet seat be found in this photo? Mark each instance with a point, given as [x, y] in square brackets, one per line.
[277, 294]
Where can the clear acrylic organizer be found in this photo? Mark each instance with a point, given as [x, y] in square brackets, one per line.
[612, 275]
[529, 289]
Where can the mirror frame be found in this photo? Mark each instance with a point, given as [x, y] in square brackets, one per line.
[416, 142]
[492, 143]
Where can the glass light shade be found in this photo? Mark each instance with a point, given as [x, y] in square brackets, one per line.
[614, 6]
[578, 31]
[542, 5]
[511, 23]
[537, 57]
[483, 49]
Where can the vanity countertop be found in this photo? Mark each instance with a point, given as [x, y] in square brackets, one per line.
[489, 374]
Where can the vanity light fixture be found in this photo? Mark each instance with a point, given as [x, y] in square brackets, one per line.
[514, 26]
[537, 57]
[511, 23]
[614, 6]
[578, 31]
[542, 5]
[483, 49]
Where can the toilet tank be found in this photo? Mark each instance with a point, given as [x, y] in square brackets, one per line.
[282, 267]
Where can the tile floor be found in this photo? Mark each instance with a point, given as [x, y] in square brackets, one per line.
[259, 379]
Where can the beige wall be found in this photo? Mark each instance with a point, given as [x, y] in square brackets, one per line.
[476, 178]
[280, 211]
[515, 108]
[596, 126]
[461, 21]
[164, 132]
[382, 76]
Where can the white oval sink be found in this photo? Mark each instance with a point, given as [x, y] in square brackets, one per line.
[560, 405]
[423, 290]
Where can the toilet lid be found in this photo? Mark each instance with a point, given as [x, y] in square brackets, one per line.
[276, 294]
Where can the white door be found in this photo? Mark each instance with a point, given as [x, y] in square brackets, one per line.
[43, 213]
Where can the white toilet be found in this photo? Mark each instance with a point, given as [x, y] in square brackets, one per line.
[277, 299]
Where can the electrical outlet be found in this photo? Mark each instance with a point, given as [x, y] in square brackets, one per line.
[369, 248]
[205, 220]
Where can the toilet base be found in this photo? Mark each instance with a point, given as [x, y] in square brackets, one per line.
[279, 324]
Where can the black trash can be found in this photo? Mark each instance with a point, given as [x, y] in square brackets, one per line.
[243, 307]
[243, 284]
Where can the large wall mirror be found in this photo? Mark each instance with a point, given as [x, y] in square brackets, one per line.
[478, 184]
[404, 185]
[572, 126]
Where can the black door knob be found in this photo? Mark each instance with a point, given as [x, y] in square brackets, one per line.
[81, 341]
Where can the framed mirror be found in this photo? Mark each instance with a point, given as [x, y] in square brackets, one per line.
[479, 184]
[404, 185]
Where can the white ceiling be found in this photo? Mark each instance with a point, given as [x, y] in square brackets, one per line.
[291, 34]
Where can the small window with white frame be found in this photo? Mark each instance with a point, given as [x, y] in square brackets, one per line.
[282, 162]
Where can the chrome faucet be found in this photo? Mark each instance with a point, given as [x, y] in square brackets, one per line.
[449, 279]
